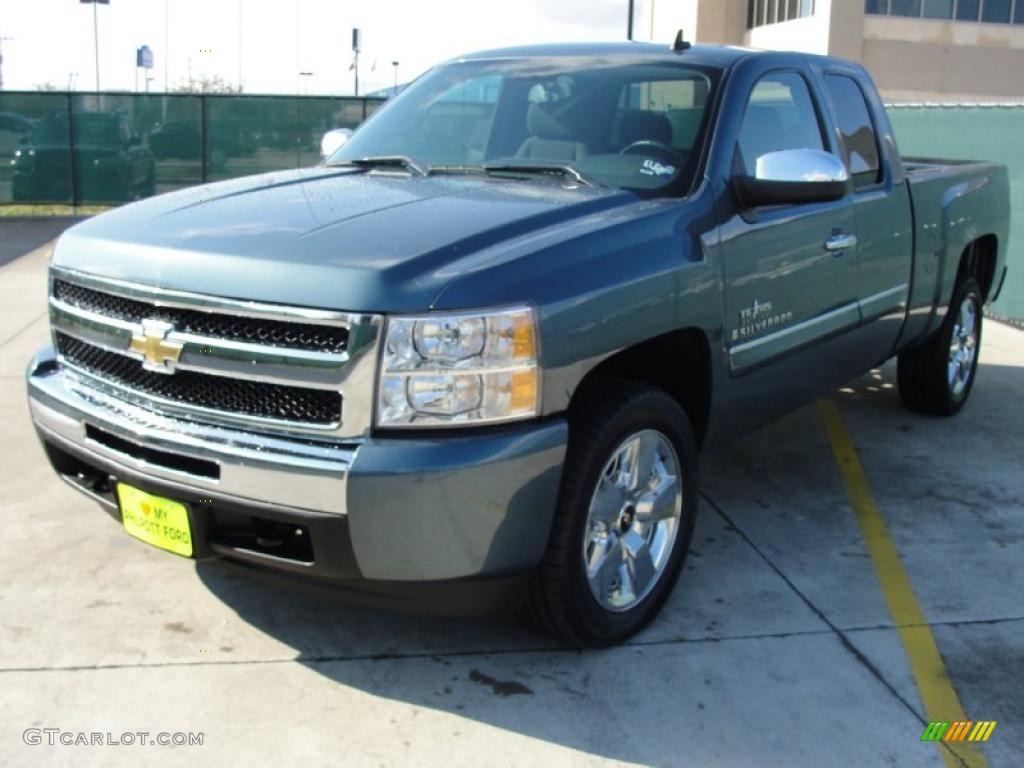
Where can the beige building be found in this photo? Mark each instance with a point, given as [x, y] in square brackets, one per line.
[917, 50]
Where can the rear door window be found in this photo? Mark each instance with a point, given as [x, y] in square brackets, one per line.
[858, 133]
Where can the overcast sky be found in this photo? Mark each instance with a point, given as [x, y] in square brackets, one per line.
[53, 39]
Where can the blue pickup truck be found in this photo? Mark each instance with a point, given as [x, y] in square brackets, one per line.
[474, 356]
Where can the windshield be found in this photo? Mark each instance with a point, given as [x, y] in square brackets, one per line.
[635, 125]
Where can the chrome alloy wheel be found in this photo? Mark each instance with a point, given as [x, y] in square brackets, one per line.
[633, 520]
[963, 347]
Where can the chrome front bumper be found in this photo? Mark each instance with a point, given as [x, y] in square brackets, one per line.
[301, 474]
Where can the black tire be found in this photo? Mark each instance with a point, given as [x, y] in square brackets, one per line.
[923, 372]
[560, 600]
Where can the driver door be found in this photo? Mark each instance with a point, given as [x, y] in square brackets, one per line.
[790, 292]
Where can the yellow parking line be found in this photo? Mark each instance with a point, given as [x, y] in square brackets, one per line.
[933, 684]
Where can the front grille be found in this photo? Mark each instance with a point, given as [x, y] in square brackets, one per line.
[218, 393]
[253, 330]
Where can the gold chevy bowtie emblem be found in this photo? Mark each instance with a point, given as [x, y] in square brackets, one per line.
[157, 352]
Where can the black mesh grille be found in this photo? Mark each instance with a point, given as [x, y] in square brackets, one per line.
[248, 398]
[273, 333]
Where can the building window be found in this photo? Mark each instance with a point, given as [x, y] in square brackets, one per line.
[761, 12]
[988, 11]
[938, 9]
[996, 11]
[968, 10]
[905, 7]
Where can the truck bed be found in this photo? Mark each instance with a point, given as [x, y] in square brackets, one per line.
[953, 201]
[914, 167]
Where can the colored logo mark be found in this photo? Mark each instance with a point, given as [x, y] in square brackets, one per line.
[959, 730]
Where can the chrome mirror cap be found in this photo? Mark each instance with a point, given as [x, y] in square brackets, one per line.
[333, 140]
[796, 165]
[791, 177]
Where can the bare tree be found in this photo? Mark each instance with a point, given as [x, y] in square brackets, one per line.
[206, 84]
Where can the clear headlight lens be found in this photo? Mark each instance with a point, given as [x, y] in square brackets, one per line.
[459, 368]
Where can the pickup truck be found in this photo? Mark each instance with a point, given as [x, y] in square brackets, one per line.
[474, 356]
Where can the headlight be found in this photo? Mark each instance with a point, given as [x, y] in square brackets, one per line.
[459, 368]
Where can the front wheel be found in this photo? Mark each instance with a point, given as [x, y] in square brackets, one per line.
[936, 378]
[625, 516]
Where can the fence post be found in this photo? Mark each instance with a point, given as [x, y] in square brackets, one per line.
[72, 170]
[204, 135]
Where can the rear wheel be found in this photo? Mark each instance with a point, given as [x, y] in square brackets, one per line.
[625, 516]
[936, 378]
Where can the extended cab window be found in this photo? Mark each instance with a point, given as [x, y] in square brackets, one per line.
[854, 120]
[668, 111]
[779, 115]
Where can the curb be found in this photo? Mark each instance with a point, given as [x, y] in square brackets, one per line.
[1012, 322]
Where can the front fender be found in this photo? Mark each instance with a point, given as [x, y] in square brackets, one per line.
[602, 284]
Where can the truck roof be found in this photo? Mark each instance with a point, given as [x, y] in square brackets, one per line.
[717, 56]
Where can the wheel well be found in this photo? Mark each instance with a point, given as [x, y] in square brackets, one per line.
[979, 261]
[678, 362]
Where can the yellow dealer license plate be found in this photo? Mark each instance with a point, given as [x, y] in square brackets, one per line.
[155, 520]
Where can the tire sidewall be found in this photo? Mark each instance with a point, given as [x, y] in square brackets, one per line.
[650, 410]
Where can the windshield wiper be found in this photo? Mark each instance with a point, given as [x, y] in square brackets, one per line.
[563, 170]
[387, 161]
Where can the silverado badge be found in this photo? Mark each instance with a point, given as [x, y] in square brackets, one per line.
[157, 352]
[758, 318]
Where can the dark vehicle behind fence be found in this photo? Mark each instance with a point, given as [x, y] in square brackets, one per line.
[182, 140]
[474, 356]
[112, 164]
[14, 130]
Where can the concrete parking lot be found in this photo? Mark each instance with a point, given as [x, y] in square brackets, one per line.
[857, 572]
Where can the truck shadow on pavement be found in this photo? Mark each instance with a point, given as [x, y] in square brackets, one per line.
[21, 236]
[707, 650]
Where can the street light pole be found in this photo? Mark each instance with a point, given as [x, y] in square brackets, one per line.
[357, 44]
[167, 58]
[629, 22]
[2, 60]
[239, 46]
[96, 41]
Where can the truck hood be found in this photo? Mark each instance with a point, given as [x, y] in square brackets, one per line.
[324, 237]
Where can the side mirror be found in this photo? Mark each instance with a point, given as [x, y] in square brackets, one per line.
[793, 176]
[333, 141]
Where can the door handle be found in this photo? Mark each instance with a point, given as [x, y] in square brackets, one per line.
[840, 241]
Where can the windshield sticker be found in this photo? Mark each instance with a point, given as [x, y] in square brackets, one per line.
[654, 168]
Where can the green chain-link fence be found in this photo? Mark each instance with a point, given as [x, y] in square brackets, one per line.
[972, 132]
[96, 149]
